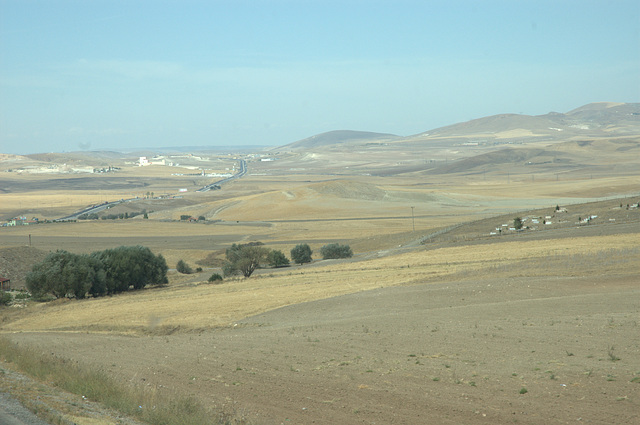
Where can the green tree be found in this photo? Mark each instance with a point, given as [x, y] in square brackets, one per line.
[276, 258]
[517, 223]
[48, 276]
[63, 274]
[135, 266]
[301, 253]
[99, 281]
[335, 250]
[244, 258]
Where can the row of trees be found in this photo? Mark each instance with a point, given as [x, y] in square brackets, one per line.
[121, 216]
[246, 258]
[64, 274]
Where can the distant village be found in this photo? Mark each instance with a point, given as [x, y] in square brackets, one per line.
[559, 218]
[20, 221]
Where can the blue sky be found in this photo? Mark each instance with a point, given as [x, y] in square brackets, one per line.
[93, 75]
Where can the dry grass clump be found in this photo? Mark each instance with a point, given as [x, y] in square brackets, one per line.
[143, 403]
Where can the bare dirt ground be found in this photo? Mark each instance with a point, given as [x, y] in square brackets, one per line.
[454, 352]
[532, 331]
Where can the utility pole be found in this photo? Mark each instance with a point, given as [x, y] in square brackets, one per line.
[413, 219]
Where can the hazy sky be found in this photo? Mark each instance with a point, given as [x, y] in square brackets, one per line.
[82, 74]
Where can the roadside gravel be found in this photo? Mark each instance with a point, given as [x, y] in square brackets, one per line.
[21, 395]
[12, 412]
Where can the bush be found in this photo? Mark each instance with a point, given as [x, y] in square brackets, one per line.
[277, 258]
[183, 268]
[335, 250]
[5, 298]
[301, 253]
[215, 277]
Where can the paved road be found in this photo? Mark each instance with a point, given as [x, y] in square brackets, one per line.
[105, 205]
[242, 172]
[14, 413]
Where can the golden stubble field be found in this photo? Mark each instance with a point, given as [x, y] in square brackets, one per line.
[539, 330]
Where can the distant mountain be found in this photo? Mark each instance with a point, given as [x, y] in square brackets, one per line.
[608, 113]
[337, 137]
[593, 120]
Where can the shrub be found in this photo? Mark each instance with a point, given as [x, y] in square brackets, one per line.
[276, 258]
[215, 277]
[5, 298]
[183, 268]
[335, 250]
[301, 253]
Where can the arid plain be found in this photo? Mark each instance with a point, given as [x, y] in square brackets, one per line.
[443, 315]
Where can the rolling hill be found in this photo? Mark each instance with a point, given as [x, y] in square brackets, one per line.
[338, 137]
[594, 120]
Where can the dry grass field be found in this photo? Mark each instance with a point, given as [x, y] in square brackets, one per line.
[444, 335]
[432, 321]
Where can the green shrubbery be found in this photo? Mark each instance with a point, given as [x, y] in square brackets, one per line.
[63, 274]
[301, 253]
[276, 258]
[120, 216]
[5, 298]
[246, 258]
[335, 250]
[215, 277]
[183, 267]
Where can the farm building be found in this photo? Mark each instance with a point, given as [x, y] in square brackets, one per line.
[5, 284]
